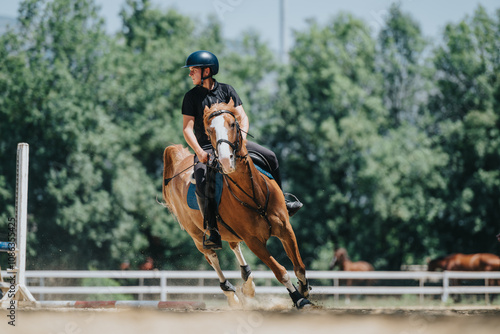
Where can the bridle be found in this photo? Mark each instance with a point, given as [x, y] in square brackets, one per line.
[236, 145]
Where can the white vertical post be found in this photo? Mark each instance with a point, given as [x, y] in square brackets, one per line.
[21, 292]
[141, 284]
[446, 284]
[163, 284]
[421, 284]
[21, 210]
[336, 284]
[487, 295]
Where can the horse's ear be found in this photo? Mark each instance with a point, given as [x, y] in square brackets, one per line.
[206, 111]
[231, 103]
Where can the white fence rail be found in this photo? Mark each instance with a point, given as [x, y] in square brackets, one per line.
[162, 288]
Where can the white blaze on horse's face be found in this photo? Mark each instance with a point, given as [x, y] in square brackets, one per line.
[224, 150]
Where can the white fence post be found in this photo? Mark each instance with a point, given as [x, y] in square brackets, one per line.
[21, 292]
[487, 295]
[163, 284]
[446, 285]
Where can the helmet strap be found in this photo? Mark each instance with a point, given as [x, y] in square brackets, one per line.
[202, 77]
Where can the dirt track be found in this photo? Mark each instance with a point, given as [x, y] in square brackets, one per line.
[263, 321]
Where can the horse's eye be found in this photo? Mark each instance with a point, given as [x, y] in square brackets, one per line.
[233, 125]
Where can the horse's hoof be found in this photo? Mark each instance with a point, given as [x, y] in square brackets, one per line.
[299, 300]
[248, 287]
[232, 300]
[303, 303]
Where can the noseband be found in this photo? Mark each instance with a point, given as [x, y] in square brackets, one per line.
[234, 145]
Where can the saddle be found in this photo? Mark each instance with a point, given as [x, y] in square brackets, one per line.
[260, 163]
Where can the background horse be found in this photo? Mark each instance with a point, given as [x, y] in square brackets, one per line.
[341, 260]
[252, 206]
[466, 262]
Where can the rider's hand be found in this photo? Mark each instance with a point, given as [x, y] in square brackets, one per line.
[202, 156]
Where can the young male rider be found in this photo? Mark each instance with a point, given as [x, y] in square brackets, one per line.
[203, 65]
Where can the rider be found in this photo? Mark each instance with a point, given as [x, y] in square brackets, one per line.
[203, 65]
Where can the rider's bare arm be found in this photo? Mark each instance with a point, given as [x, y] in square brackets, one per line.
[189, 136]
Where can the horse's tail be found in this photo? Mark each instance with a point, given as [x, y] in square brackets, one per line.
[172, 157]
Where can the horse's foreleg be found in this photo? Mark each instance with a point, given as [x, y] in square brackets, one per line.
[248, 287]
[259, 248]
[292, 250]
[212, 259]
[228, 289]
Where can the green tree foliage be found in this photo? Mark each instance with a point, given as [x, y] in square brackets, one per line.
[97, 124]
[467, 111]
[328, 114]
[401, 63]
[53, 63]
[368, 177]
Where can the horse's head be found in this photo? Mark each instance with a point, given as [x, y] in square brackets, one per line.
[436, 264]
[224, 132]
[339, 257]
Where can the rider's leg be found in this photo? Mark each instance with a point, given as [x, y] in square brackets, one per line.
[206, 206]
[292, 205]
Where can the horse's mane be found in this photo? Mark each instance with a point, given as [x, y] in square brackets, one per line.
[220, 106]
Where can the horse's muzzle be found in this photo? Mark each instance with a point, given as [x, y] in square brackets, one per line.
[226, 158]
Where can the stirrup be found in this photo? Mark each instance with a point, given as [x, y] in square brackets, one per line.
[294, 197]
[213, 242]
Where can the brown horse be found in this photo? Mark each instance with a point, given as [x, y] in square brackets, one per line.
[341, 260]
[467, 262]
[252, 206]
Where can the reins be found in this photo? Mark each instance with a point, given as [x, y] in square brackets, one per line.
[166, 181]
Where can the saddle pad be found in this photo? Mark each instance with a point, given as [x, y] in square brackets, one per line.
[191, 195]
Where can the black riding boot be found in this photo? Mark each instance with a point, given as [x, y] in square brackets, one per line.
[292, 206]
[210, 211]
[213, 241]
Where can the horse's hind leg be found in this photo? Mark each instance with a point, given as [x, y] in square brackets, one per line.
[292, 250]
[248, 285]
[259, 248]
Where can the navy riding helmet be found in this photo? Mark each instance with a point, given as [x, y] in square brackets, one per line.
[203, 59]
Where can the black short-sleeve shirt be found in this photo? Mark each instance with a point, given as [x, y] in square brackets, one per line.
[197, 98]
